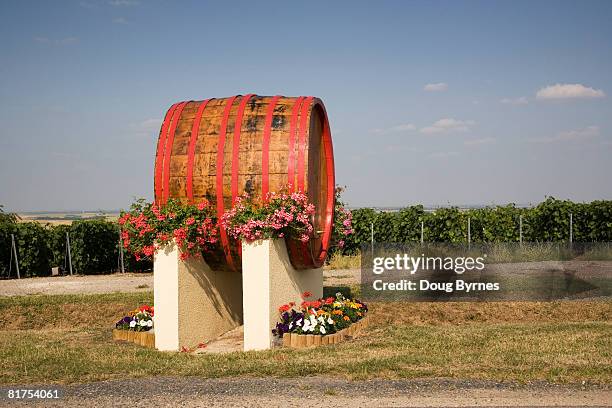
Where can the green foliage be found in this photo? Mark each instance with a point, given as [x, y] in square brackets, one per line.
[57, 243]
[7, 223]
[94, 246]
[445, 225]
[7, 218]
[495, 224]
[408, 224]
[95, 242]
[33, 251]
[362, 219]
[546, 222]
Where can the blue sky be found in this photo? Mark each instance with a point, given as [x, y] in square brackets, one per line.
[429, 102]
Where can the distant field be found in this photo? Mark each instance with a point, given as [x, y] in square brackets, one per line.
[66, 218]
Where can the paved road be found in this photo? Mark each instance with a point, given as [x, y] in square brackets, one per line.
[321, 392]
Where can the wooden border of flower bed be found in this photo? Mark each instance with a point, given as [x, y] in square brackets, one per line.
[294, 340]
[143, 338]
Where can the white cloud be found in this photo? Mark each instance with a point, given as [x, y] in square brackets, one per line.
[569, 91]
[515, 101]
[120, 20]
[437, 87]
[443, 155]
[448, 125]
[476, 142]
[394, 129]
[61, 41]
[147, 127]
[577, 135]
[120, 3]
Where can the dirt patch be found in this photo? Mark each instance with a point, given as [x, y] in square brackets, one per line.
[228, 342]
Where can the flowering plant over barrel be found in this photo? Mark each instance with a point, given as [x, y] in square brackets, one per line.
[279, 215]
[343, 220]
[149, 226]
[321, 316]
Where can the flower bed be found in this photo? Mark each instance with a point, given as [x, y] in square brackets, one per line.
[136, 327]
[295, 340]
[140, 319]
[322, 321]
[146, 339]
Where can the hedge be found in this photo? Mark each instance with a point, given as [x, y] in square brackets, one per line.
[94, 243]
[546, 222]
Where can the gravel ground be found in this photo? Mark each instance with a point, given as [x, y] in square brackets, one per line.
[131, 282]
[120, 282]
[318, 392]
[60, 285]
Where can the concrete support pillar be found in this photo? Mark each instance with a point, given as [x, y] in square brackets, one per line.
[193, 303]
[269, 281]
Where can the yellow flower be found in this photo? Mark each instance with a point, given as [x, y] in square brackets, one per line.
[346, 318]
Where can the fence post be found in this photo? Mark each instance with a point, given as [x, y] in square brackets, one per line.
[121, 266]
[14, 249]
[422, 231]
[469, 233]
[571, 228]
[69, 252]
[372, 237]
[521, 230]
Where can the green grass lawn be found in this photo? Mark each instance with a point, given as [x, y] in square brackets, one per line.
[65, 339]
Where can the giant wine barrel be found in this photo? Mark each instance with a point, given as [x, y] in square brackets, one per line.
[218, 148]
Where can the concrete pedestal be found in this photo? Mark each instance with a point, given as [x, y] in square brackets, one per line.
[269, 281]
[193, 303]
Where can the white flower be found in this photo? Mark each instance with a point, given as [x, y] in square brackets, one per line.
[298, 323]
[322, 329]
[306, 326]
[330, 320]
[150, 323]
[321, 319]
[143, 323]
[133, 323]
[313, 320]
[290, 325]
